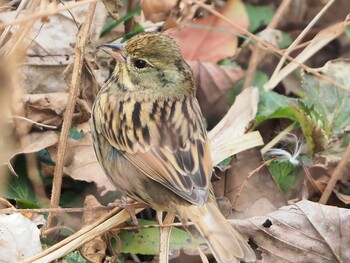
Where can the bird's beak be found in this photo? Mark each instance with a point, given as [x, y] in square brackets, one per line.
[115, 50]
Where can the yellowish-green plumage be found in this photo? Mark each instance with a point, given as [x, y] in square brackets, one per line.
[150, 139]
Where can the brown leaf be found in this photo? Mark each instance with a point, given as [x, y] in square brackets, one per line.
[303, 232]
[49, 108]
[50, 51]
[113, 8]
[156, 11]
[36, 141]
[216, 43]
[252, 195]
[213, 82]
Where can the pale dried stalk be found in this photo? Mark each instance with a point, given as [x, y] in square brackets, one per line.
[109, 221]
[324, 37]
[165, 232]
[299, 38]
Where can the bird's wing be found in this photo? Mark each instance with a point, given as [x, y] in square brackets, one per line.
[167, 141]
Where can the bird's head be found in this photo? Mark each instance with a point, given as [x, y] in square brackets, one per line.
[152, 63]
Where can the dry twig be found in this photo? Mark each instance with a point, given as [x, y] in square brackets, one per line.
[82, 37]
[336, 175]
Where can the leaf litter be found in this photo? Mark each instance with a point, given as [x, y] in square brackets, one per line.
[248, 188]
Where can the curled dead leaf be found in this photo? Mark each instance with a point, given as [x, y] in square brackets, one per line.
[49, 108]
[36, 141]
[231, 128]
[20, 238]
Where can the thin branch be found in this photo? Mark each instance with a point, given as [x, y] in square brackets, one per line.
[82, 37]
[130, 23]
[336, 175]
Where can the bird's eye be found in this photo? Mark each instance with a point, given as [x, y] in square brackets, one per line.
[140, 63]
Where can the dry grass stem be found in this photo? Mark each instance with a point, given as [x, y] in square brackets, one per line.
[109, 221]
[300, 37]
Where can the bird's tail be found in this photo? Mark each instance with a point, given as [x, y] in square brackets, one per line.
[224, 241]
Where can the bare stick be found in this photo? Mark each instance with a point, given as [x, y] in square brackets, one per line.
[82, 37]
[336, 175]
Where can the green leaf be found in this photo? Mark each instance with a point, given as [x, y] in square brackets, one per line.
[284, 41]
[74, 257]
[312, 125]
[259, 16]
[332, 102]
[20, 188]
[45, 157]
[273, 105]
[225, 162]
[75, 134]
[347, 32]
[71, 192]
[284, 174]
[146, 240]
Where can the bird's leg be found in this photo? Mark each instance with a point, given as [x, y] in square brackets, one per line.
[128, 205]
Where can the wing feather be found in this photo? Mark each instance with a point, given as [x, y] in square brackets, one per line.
[166, 140]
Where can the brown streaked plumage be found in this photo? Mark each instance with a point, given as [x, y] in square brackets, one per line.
[149, 138]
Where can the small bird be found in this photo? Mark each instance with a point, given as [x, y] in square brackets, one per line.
[149, 137]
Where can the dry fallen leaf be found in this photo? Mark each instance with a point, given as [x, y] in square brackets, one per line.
[36, 142]
[249, 195]
[233, 126]
[50, 49]
[201, 39]
[113, 8]
[213, 82]
[48, 108]
[20, 238]
[155, 10]
[303, 232]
